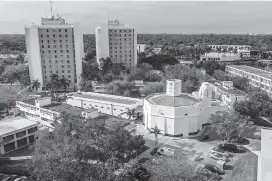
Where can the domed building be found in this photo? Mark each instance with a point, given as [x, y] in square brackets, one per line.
[179, 114]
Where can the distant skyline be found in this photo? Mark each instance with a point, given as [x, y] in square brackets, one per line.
[147, 17]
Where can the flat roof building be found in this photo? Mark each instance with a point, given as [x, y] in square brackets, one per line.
[45, 111]
[257, 77]
[226, 92]
[105, 103]
[16, 132]
[117, 41]
[55, 47]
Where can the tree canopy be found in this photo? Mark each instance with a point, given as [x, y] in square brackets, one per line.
[82, 150]
[158, 61]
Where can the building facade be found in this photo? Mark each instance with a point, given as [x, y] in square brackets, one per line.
[105, 103]
[220, 57]
[141, 48]
[55, 47]
[178, 114]
[238, 47]
[257, 77]
[227, 93]
[265, 157]
[45, 112]
[117, 41]
[16, 132]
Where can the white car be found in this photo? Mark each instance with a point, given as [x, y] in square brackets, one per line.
[221, 151]
[218, 156]
[167, 151]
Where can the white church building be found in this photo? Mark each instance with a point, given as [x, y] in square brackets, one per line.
[179, 114]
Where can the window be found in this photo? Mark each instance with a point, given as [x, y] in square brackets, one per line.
[55, 51]
[66, 35]
[57, 71]
[41, 36]
[47, 36]
[47, 41]
[20, 134]
[66, 46]
[42, 46]
[62, 71]
[69, 76]
[66, 30]
[43, 51]
[62, 66]
[49, 51]
[60, 35]
[47, 30]
[59, 30]
[60, 51]
[48, 46]
[60, 41]
[67, 51]
[54, 35]
[67, 56]
[68, 61]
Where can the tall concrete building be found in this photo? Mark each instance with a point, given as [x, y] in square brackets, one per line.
[117, 41]
[55, 47]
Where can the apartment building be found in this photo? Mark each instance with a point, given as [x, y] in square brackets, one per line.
[257, 77]
[117, 41]
[55, 47]
[16, 132]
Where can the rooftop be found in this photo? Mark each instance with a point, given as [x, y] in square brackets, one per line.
[11, 124]
[30, 101]
[107, 98]
[75, 111]
[253, 70]
[172, 101]
[231, 91]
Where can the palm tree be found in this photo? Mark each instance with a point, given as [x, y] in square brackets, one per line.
[54, 83]
[130, 114]
[36, 85]
[65, 83]
[156, 132]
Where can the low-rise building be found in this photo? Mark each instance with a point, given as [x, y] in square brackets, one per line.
[16, 132]
[141, 48]
[257, 77]
[105, 103]
[179, 114]
[45, 111]
[238, 47]
[221, 57]
[225, 92]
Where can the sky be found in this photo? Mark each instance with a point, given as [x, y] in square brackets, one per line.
[145, 16]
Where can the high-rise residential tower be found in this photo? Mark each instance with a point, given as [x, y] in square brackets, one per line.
[117, 41]
[55, 47]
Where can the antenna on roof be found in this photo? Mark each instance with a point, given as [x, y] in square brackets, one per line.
[51, 2]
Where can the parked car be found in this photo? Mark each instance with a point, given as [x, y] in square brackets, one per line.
[221, 151]
[166, 151]
[214, 169]
[218, 156]
[209, 174]
[228, 147]
[203, 138]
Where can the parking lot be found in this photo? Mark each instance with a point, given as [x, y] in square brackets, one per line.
[242, 166]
